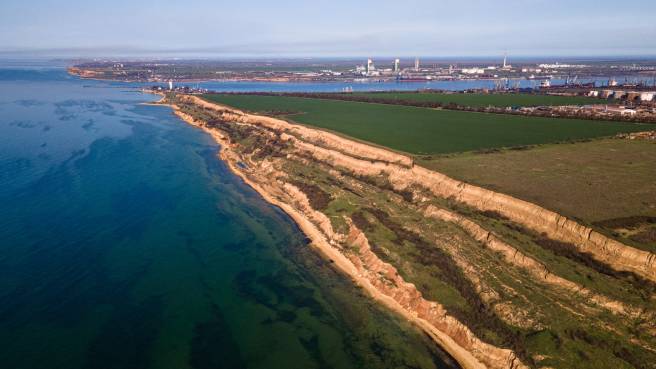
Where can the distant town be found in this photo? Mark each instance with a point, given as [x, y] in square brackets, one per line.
[370, 70]
[625, 90]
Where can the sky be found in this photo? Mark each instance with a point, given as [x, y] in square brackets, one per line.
[291, 28]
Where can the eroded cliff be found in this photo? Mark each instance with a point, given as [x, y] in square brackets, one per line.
[469, 266]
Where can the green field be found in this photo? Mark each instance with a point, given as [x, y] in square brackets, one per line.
[425, 131]
[478, 100]
[598, 181]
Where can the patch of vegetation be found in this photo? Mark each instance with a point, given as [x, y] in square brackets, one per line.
[645, 237]
[603, 183]
[493, 215]
[557, 342]
[618, 349]
[336, 211]
[562, 258]
[382, 182]
[631, 222]
[479, 317]
[252, 140]
[570, 251]
[318, 198]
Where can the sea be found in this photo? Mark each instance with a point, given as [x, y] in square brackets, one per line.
[126, 243]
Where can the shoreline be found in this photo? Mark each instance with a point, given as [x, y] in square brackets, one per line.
[321, 244]
[402, 171]
[447, 332]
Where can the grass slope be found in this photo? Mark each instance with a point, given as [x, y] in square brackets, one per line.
[425, 131]
[591, 181]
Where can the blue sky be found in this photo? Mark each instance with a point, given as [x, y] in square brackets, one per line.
[329, 28]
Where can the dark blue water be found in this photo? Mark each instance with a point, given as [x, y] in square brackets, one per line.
[125, 243]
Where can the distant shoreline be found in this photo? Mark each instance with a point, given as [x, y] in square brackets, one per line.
[92, 75]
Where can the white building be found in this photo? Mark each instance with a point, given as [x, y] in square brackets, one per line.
[621, 110]
[473, 71]
[370, 66]
[506, 66]
[397, 64]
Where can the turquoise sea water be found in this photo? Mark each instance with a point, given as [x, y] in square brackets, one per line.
[125, 243]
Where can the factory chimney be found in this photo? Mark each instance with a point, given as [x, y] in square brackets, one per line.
[370, 66]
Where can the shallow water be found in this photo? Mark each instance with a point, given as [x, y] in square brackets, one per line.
[125, 243]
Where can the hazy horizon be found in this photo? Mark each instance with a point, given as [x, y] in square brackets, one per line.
[83, 54]
[201, 28]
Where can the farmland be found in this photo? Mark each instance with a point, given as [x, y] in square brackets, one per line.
[422, 131]
[479, 99]
[609, 184]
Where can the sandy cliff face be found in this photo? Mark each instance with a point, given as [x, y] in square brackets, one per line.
[368, 160]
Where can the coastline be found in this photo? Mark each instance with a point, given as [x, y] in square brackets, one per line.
[363, 266]
[403, 172]
[318, 241]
